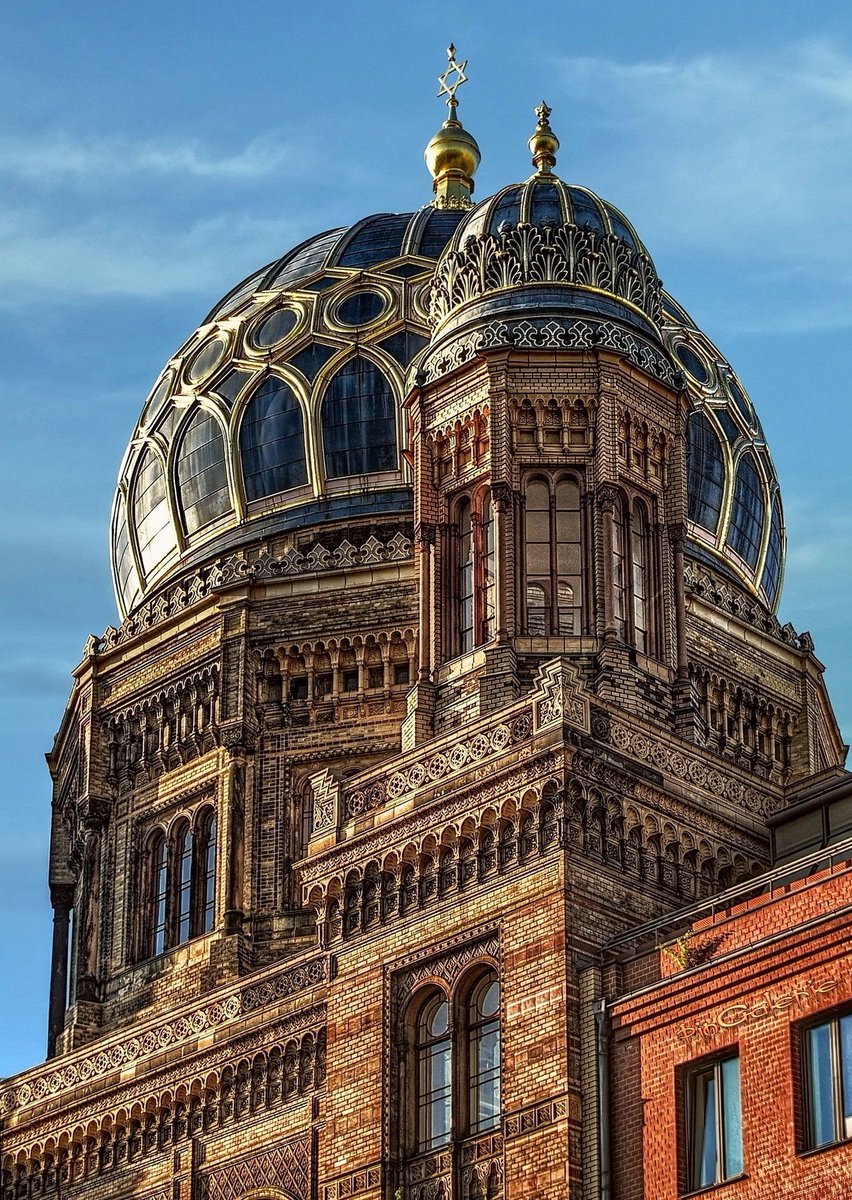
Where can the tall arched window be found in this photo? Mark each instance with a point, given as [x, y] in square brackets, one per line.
[484, 1055]
[272, 441]
[772, 569]
[207, 871]
[454, 1092]
[434, 1070]
[474, 532]
[746, 528]
[159, 857]
[632, 608]
[180, 870]
[201, 474]
[359, 421]
[553, 557]
[183, 848]
[705, 473]
[154, 532]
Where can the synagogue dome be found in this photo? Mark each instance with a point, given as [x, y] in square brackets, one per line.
[283, 409]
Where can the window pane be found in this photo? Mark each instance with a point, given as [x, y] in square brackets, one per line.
[640, 594]
[208, 917]
[772, 570]
[272, 444]
[151, 513]
[434, 1075]
[746, 528]
[732, 1136]
[202, 478]
[821, 1090]
[185, 887]
[704, 1133]
[359, 421]
[161, 865]
[465, 534]
[484, 1027]
[706, 472]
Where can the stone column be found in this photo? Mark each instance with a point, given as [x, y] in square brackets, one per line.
[606, 503]
[62, 899]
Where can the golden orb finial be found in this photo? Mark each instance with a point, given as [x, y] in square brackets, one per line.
[452, 156]
[544, 143]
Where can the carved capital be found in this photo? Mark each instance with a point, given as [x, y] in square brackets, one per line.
[501, 495]
[424, 534]
[238, 740]
[677, 533]
[606, 498]
[94, 812]
[62, 897]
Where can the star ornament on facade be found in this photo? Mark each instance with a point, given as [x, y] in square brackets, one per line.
[452, 78]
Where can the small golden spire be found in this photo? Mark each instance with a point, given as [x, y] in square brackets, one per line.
[452, 156]
[544, 143]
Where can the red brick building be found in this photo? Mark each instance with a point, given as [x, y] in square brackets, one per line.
[731, 1040]
[447, 551]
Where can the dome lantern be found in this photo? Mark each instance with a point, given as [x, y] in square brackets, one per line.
[452, 155]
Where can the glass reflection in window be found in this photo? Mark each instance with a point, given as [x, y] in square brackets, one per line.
[715, 1123]
[434, 1075]
[484, 1047]
[746, 528]
[272, 442]
[706, 472]
[828, 1081]
[359, 421]
[202, 478]
[154, 530]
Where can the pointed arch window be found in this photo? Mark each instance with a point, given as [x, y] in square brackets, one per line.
[201, 473]
[705, 472]
[207, 865]
[553, 557]
[126, 576]
[772, 570]
[154, 532]
[272, 441]
[359, 421]
[745, 531]
[160, 859]
[183, 847]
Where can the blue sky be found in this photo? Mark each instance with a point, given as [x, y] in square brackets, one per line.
[153, 154]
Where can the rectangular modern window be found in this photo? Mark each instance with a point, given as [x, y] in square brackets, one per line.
[828, 1081]
[714, 1123]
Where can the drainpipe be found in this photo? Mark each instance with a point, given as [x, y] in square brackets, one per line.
[602, 1055]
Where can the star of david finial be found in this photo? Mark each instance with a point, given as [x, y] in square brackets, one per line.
[452, 78]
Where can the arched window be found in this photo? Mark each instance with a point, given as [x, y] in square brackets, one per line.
[159, 858]
[772, 569]
[359, 421]
[455, 1073]
[553, 558]
[272, 441]
[434, 1071]
[207, 869]
[639, 571]
[183, 848]
[201, 474]
[474, 531]
[705, 473]
[127, 579]
[746, 528]
[154, 532]
[181, 883]
[632, 609]
[484, 1055]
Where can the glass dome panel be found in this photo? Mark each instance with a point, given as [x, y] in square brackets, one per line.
[359, 421]
[706, 472]
[378, 239]
[205, 360]
[439, 228]
[508, 209]
[360, 309]
[772, 570]
[154, 533]
[546, 204]
[586, 212]
[201, 472]
[272, 441]
[690, 360]
[126, 574]
[746, 528]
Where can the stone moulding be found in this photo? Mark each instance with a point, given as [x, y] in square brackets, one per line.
[545, 254]
[717, 592]
[58, 1078]
[240, 568]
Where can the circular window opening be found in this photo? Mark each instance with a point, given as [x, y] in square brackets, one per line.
[206, 360]
[272, 330]
[361, 308]
[689, 359]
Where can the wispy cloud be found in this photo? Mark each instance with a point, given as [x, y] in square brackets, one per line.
[58, 157]
[738, 157]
